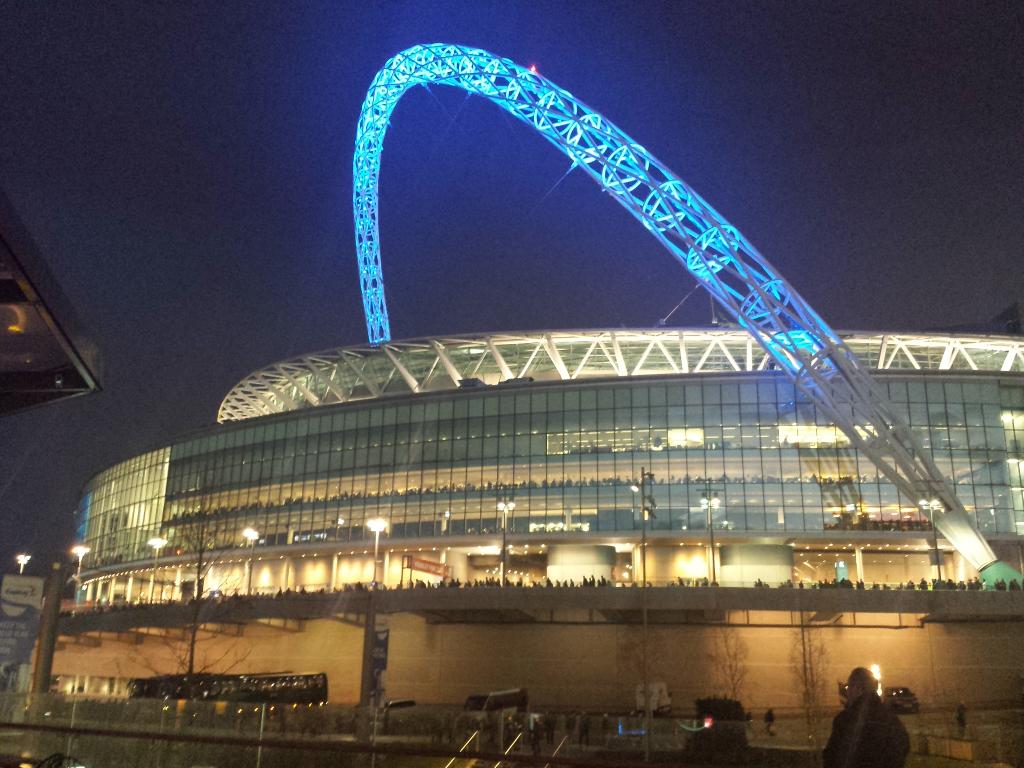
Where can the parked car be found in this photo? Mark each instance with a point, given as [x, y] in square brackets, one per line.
[495, 701]
[901, 700]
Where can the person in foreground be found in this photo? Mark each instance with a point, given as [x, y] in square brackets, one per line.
[866, 734]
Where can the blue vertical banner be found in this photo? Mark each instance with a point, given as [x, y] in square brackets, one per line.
[380, 651]
[380, 661]
[21, 601]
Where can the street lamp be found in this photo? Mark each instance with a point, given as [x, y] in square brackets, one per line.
[157, 543]
[22, 560]
[251, 535]
[505, 506]
[377, 525]
[709, 502]
[79, 551]
[933, 508]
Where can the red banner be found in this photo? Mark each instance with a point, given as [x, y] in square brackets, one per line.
[424, 566]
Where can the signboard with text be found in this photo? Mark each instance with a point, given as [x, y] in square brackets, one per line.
[21, 601]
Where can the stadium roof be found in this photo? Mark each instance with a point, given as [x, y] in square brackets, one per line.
[434, 364]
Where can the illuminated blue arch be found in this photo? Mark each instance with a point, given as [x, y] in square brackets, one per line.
[708, 246]
[742, 281]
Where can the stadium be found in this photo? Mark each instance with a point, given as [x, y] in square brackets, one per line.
[539, 439]
[534, 442]
[575, 511]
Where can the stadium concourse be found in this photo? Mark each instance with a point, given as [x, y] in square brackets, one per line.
[528, 459]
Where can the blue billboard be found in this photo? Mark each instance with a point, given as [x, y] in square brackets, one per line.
[21, 601]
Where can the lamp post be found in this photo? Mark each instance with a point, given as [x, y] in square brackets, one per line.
[157, 543]
[79, 551]
[22, 560]
[710, 503]
[505, 506]
[647, 506]
[252, 536]
[377, 525]
[933, 508]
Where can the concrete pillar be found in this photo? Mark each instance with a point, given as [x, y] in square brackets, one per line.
[334, 572]
[49, 617]
[367, 681]
[176, 590]
[128, 589]
[858, 554]
[458, 564]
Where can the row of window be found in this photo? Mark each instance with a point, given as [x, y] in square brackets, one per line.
[796, 476]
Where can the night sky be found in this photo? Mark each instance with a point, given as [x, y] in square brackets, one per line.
[186, 173]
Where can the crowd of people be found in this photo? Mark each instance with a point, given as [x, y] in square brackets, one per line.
[923, 585]
[491, 582]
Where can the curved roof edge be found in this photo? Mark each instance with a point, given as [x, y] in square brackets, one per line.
[411, 366]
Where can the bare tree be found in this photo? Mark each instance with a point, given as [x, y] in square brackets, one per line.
[206, 536]
[728, 660]
[224, 661]
[810, 668]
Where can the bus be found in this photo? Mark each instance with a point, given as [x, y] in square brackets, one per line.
[274, 688]
[514, 698]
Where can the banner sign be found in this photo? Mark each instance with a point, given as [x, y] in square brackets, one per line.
[21, 602]
[425, 566]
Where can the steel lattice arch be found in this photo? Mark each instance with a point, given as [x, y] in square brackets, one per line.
[737, 276]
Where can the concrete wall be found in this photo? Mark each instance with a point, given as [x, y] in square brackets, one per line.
[667, 564]
[599, 666]
[575, 563]
[321, 646]
[594, 666]
[744, 564]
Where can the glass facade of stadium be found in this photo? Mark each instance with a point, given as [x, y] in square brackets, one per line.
[433, 436]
